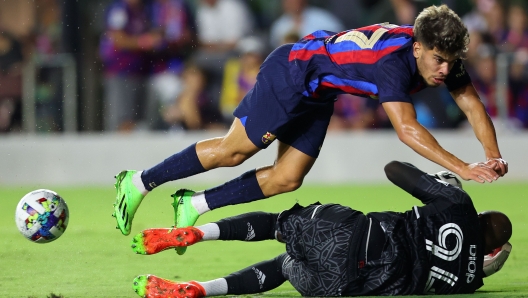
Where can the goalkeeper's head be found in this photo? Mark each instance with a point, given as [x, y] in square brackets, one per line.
[497, 229]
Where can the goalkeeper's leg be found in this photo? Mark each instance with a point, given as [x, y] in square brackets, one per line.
[253, 226]
[258, 278]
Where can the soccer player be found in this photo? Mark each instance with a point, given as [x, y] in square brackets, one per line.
[333, 250]
[292, 101]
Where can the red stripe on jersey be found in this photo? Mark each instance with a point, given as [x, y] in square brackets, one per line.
[369, 28]
[362, 56]
[304, 54]
[309, 37]
[399, 30]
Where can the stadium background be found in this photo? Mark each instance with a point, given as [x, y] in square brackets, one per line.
[54, 136]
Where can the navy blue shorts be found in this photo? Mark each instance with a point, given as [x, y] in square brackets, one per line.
[275, 108]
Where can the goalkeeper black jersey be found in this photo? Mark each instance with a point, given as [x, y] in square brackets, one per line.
[436, 248]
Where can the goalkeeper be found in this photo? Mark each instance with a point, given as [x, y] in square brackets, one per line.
[332, 250]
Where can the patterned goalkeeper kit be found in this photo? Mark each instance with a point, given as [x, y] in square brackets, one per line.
[333, 250]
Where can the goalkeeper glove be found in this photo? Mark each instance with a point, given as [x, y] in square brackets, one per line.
[494, 261]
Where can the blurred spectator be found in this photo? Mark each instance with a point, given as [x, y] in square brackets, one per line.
[175, 23]
[484, 78]
[291, 37]
[475, 48]
[10, 82]
[48, 31]
[495, 19]
[475, 20]
[49, 86]
[123, 46]
[221, 24]
[476, 38]
[264, 12]
[193, 109]
[519, 86]
[405, 11]
[10, 55]
[240, 74]
[18, 18]
[517, 33]
[302, 19]
[351, 13]
[359, 13]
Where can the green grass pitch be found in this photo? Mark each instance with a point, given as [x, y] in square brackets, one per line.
[93, 259]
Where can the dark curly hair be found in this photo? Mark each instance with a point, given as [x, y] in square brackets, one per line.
[440, 27]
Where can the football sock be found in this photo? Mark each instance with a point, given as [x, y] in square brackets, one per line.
[252, 226]
[138, 183]
[211, 231]
[214, 287]
[258, 278]
[199, 203]
[243, 189]
[180, 165]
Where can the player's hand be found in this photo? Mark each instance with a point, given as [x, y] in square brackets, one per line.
[499, 165]
[479, 172]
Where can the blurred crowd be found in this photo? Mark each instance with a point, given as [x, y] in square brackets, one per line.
[29, 31]
[180, 65]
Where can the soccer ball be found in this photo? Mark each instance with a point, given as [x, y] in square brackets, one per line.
[42, 216]
[449, 177]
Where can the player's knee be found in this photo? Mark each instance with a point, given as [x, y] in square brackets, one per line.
[229, 156]
[294, 184]
[238, 158]
[289, 183]
[232, 159]
[228, 159]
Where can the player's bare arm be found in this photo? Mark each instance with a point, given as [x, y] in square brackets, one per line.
[469, 102]
[403, 117]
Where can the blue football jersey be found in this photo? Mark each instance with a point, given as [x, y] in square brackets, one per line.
[376, 61]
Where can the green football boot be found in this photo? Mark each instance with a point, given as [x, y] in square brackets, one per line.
[127, 201]
[185, 215]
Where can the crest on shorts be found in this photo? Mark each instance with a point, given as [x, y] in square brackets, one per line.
[268, 138]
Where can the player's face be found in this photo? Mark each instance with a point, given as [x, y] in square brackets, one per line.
[433, 65]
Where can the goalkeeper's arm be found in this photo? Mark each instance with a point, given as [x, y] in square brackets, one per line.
[412, 180]
[404, 175]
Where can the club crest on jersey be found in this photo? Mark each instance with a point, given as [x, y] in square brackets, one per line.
[268, 138]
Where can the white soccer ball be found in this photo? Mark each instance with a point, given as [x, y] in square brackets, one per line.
[42, 216]
[449, 177]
